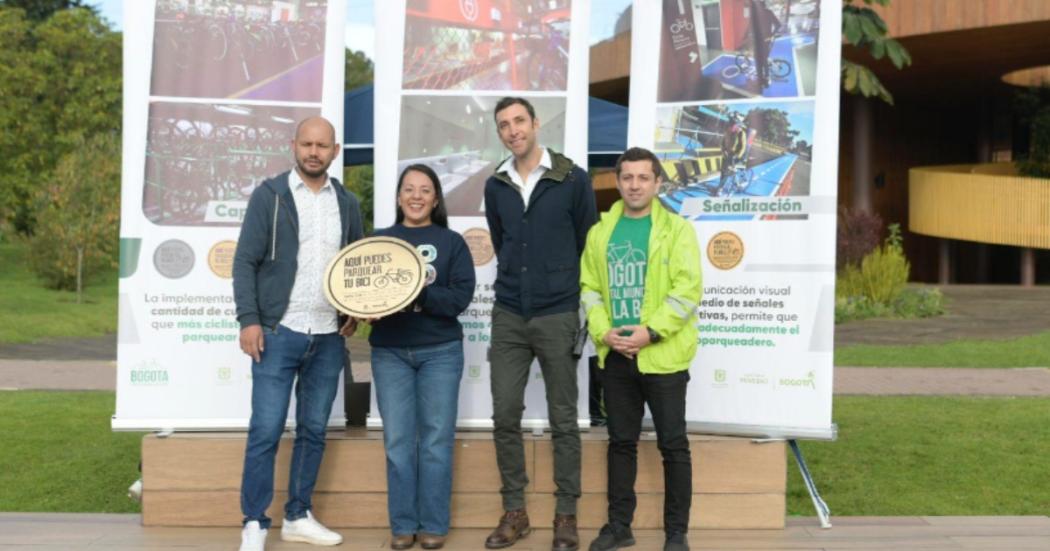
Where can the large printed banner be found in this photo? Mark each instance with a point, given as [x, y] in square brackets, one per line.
[213, 90]
[739, 99]
[440, 69]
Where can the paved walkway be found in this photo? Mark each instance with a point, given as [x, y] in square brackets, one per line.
[87, 532]
[941, 381]
[976, 311]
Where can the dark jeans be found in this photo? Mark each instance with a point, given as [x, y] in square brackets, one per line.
[316, 361]
[515, 343]
[627, 391]
[595, 402]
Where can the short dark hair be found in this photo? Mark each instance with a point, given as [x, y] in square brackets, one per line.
[508, 101]
[438, 216]
[639, 154]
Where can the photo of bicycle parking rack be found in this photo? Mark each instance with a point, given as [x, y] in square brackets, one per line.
[203, 160]
[245, 49]
[487, 45]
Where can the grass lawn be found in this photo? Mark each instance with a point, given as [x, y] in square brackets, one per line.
[32, 312]
[59, 455]
[894, 456]
[1029, 351]
[930, 456]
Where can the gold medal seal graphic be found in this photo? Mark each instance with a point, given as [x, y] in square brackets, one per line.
[725, 250]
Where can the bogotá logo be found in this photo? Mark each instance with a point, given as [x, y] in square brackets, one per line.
[720, 377]
[809, 381]
[474, 372]
[224, 375]
[149, 373]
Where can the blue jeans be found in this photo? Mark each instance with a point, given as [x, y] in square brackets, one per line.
[418, 392]
[317, 361]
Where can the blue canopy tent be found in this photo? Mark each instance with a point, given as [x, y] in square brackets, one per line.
[607, 135]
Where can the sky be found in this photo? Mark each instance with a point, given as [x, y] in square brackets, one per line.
[360, 33]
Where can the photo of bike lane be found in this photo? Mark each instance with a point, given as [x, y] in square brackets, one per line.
[737, 72]
[733, 151]
[727, 49]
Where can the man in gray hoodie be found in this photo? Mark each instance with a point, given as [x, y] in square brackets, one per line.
[295, 223]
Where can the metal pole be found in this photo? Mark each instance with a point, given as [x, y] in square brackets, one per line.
[818, 503]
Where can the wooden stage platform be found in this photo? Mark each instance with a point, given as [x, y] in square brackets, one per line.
[194, 480]
[94, 532]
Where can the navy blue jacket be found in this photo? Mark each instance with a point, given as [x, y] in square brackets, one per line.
[538, 249]
[433, 319]
[266, 260]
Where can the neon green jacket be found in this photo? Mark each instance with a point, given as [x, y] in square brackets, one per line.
[672, 289]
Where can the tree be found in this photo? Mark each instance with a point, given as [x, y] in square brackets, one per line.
[78, 214]
[359, 180]
[864, 28]
[359, 70]
[19, 85]
[40, 10]
[773, 125]
[60, 84]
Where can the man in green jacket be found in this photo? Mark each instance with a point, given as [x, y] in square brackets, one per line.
[641, 284]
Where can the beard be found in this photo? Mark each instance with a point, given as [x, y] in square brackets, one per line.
[301, 163]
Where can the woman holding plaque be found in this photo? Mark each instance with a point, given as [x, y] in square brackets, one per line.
[417, 362]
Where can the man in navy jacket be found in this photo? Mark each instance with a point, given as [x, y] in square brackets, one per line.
[539, 206]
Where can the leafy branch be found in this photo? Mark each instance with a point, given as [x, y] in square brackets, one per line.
[864, 28]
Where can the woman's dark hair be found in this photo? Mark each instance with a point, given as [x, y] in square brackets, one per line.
[439, 215]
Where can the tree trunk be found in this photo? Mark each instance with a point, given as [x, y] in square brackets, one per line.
[80, 274]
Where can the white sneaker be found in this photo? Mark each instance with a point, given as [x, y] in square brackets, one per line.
[308, 530]
[135, 491]
[253, 537]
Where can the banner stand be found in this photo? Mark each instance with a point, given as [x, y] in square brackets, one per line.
[823, 513]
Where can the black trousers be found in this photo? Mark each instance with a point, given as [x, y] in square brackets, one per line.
[595, 402]
[627, 391]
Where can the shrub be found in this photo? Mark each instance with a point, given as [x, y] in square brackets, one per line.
[925, 302]
[77, 215]
[1032, 107]
[881, 275]
[858, 308]
[857, 235]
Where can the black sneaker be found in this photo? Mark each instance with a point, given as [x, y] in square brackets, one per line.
[676, 542]
[610, 539]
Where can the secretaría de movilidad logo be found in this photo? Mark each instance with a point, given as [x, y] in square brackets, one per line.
[149, 373]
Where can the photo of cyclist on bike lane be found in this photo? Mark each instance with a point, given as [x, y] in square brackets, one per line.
[735, 148]
[753, 151]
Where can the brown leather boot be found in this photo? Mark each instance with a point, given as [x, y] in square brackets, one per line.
[512, 526]
[565, 536]
[431, 541]
[405, 541]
